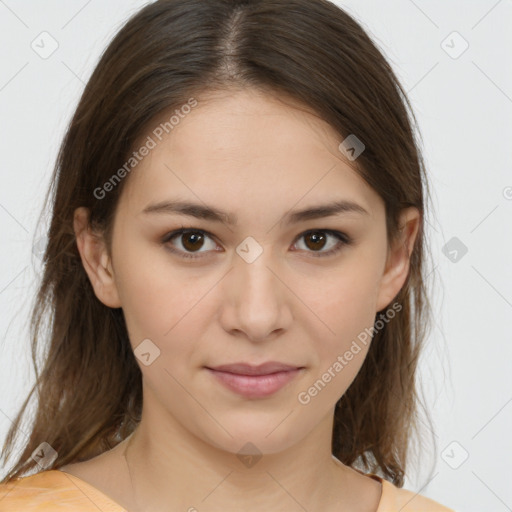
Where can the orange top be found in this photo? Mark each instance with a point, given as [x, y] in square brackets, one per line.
[55, 490]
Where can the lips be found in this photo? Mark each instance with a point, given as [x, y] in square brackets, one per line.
[248, 369]
[255, 381]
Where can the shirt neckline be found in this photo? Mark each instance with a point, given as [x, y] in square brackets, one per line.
[110, 505]
[98, 497]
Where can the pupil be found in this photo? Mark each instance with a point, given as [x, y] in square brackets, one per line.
[317, 238]
[195, 237]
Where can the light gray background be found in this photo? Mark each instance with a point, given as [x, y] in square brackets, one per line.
[464, 108]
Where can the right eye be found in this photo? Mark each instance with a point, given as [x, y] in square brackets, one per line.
[190, 239]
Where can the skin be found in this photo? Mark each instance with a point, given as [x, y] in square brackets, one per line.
[257, 156]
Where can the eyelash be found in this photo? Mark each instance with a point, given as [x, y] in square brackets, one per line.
[342, 237]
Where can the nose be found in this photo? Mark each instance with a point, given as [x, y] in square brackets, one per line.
[256, 302]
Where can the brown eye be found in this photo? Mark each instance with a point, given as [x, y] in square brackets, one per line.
[190, 240]
[316, 240]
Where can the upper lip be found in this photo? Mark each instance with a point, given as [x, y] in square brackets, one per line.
[250, 369]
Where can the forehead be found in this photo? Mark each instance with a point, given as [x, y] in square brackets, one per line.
[241, 145]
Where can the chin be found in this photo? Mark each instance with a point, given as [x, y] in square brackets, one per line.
[252, 436]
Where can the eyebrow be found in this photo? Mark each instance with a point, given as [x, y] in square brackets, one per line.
[210, 213]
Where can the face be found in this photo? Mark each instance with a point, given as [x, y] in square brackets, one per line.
[254, 282]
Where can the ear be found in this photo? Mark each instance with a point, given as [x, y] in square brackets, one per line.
[398, 258]
[95, 259]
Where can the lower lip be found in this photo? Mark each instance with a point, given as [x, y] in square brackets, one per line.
[255, 386]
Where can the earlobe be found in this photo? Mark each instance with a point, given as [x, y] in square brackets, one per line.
[95, 259]
[398, 258]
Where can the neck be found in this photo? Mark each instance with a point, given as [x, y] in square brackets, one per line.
[182, 472]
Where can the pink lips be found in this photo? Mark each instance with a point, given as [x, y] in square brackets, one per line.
[255, 381]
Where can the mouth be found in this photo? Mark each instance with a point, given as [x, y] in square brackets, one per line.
[255, 381]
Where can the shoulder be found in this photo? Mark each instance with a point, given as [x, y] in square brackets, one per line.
[395, 499]
[50, 490]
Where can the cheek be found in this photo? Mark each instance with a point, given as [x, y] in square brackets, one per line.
[342, 348]
[164, 304]
[154, 296]
[341, 308]
[343, 299]
[147, 303]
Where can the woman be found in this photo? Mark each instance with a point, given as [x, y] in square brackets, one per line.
[234, 272]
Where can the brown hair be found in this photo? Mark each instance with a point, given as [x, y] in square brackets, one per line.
[90, 386]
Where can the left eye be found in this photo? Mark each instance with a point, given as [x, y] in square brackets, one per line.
[317, 239]
[193, 239]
